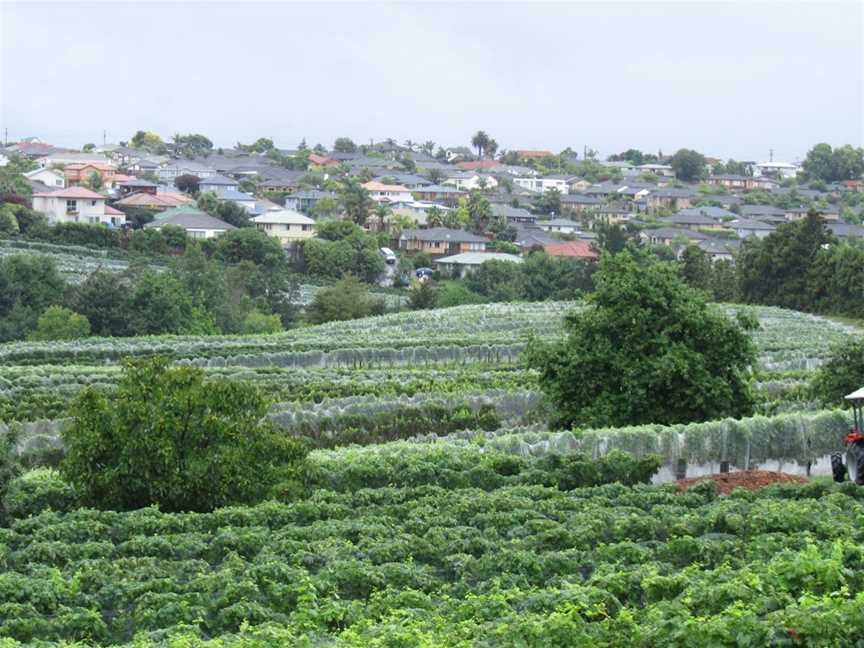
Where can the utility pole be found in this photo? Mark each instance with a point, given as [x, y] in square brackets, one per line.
[770, 155]
[5, 136]
[104, 137]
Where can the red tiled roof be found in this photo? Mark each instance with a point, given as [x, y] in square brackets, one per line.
[321, 160]
[380, 186]
[479, 164]
[71, 192]
[77, 166]
[111, 211]
[577, 249]
[165, 200]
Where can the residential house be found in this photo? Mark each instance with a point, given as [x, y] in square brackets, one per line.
[416, 210]
[514, 215]
[305, 201]
[578, 202]
[469, 180]
[718, 250]
[575, 184]
[177, 168]
[763, 183]
[63, 158]
[545, 183]
[717, 213]
[560, 225]
[286, 225]
[217, 183]
[574, 249]
[439, 193]
[385, 193]
[763, 212]
[468, 262]
[776, 169]
[480, 165]
[533, 237]
[80, 174]
[602, 190]
[196, 223]
[613, 214]
[729, 181]
[626, 168]
[75, 205]
[687, 218]
[284, 184]
[140, 167]
[745, 227]
[155, 201]
[322, 160]
[846, 230]
[408, 180]
[670, 235]
[635, 190]
[53, 178]
[662, 170]
[671, 198]
[245, 200]
[441, 241]
[137, 186]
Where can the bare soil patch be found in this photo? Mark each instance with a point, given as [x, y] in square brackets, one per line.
[748, 479]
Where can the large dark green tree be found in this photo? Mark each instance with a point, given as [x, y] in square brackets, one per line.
[688, 165]
[28, 285]
[356, 201]
[647, 349]
[826, 164]
[776, 270]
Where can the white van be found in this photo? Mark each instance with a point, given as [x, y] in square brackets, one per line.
[389, 256]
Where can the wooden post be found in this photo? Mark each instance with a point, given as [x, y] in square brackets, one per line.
[681, 470]
[724, 466]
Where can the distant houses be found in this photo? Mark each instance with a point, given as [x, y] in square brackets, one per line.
[196, 223]
[76, 205]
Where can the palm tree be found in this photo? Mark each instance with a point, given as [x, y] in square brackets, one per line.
[491, 148]
[409, 144]
[428, 147]
[480, 141]
[382, 212]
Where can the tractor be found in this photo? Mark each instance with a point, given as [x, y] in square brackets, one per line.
[854, 443]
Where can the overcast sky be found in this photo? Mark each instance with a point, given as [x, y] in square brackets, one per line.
[731, 80]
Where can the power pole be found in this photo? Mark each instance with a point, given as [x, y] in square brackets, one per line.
[5, 136]
[770, 155]
[104, 137]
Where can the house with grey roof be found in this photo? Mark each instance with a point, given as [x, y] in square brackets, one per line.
[305, 201]
[439, 241]
[514, 214]
[691, 220]
[468, 262]
[671, 198]
[670, 235]
[197, 223]
[745, 227]
[217, 183]
[560, 225]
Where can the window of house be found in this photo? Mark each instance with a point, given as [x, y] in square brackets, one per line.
[71, 206]
[92, 203]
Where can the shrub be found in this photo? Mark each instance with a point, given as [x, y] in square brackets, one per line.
[164, 437]
[58, 323]
[37, 491]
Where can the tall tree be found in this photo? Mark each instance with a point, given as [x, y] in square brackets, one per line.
[648, 349]
[688, 165]
[344, 145]
[355, 200]
[479, 213]
[480, 141]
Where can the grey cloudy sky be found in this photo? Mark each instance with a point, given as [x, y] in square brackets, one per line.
[729, 79]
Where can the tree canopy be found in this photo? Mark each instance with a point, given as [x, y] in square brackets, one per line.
[831, 165]
[688, 165]
[165, 437]
[648, 349]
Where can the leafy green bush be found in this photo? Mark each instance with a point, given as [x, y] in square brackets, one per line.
[841, 375]
[164, 437]
[39, 490]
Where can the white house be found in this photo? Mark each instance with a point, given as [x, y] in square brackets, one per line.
[4, 160]
[776, 169]
[380, 192]
[74, 205]
[468, 181]
[561, 225]
[468, 262]
[662, 170]
[286, 225]
[178, 168]
[49, 177]
[543, 185]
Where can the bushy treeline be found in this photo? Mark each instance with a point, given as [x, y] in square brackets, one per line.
[238, 283]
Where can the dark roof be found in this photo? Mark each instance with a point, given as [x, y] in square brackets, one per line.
[510, 212]
[843, 230]
[442, 234]
[673, 232]
[188, 218]
[219, 180]
[580, 199]
[138, 183]
[761, 210]
[312, 194]
[687, 219]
